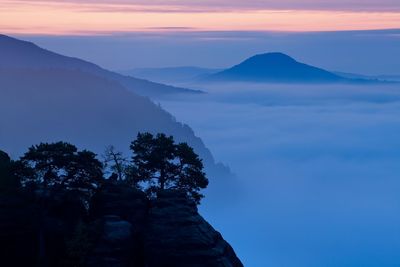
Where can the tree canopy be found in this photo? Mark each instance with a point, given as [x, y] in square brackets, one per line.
[8, 181]
[159, 163]
[52, 164]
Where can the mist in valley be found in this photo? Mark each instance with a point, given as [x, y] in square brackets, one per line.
[318, 166]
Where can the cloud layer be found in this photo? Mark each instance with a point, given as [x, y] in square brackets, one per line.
[203, 5]
[319, 166]
[103, 17]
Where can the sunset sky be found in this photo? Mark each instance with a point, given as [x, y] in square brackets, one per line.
[345, 35]
[88, 17]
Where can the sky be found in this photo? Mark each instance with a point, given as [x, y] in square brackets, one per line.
[89, 17]
[340, 35]
[363, 52]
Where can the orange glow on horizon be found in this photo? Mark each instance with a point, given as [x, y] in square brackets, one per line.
[36, 17]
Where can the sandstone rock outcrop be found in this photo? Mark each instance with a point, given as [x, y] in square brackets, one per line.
[119, 227]
[178, 236]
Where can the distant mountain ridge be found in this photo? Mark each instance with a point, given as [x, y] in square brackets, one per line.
[376, 78]
[171, 74]
[22, 54]
[268, 67]
[274, 67]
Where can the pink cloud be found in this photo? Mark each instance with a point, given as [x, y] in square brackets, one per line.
[227, 5]
[71, 17]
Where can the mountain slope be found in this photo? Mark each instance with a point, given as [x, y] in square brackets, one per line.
[72, 105]
[21, 54]
[274, 67]
[45, 97]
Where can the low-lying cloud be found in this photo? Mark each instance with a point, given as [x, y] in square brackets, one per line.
[319, 166]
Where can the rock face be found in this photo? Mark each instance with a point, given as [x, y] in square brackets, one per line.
[178, 236]
[34, 226]
[120, 228]
[18, 231]
[121, 213]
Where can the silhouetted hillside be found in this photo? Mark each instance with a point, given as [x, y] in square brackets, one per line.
[274, 67]
[85, 109]
[48, 97]
[21, 54]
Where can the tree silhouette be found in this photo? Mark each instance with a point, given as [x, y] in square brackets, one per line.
[60, 164]
[161, 164]
[84, 171]
[116, 162]
[191, 177]
[8, 181]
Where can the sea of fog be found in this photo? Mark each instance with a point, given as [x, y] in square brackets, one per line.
[318, 166]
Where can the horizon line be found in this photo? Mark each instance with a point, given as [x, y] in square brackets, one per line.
[159, 31]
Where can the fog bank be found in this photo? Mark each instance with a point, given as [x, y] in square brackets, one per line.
[319, 166]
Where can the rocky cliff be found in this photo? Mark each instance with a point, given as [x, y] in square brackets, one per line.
[119, 227]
